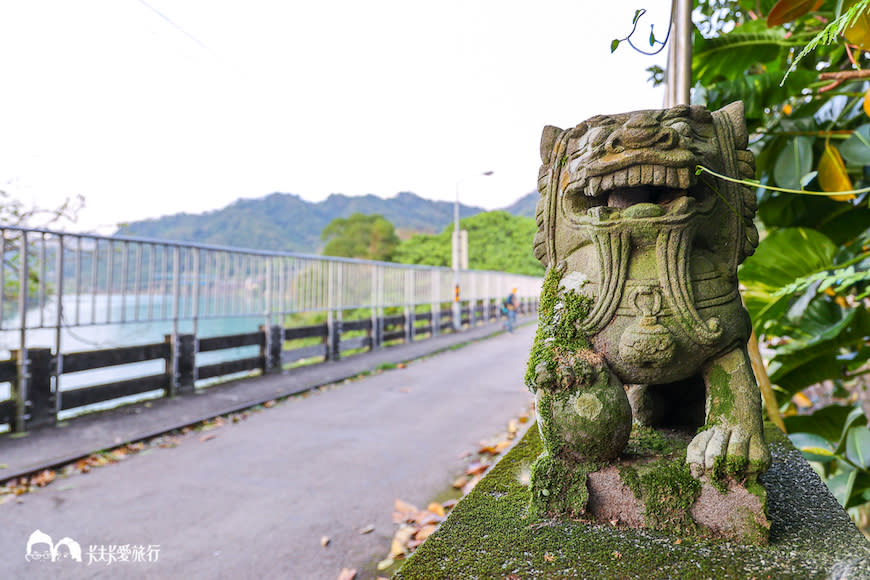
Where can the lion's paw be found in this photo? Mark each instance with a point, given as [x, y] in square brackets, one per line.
[727, 449]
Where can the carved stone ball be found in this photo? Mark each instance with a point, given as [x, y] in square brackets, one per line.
[591, 423]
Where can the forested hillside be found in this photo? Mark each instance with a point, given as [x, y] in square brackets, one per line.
[283, 221]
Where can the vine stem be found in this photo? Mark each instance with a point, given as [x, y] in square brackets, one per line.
[752, 183]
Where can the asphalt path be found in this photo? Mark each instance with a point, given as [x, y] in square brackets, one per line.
[253, 499]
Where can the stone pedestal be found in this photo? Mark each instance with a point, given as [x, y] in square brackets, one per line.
[490, 533]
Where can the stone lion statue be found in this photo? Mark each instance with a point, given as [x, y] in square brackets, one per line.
[640, 313]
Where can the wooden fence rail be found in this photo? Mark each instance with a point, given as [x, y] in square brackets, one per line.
[42, 369]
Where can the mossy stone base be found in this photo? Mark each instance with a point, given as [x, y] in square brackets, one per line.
[491, 533]
[650, 486]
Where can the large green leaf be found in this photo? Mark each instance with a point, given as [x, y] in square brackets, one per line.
[841, 222]
[782, 257]
[801, 363]
[841, 486]
[757, 91]
[813, 447]
[794, 162]
[858, 446]
[831, 423]
[730, 55]
[856, 149]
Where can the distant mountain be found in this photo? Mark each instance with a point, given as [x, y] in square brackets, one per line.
[524, 206]
[286, 222]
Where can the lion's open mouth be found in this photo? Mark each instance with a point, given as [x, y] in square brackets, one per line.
[638, 191]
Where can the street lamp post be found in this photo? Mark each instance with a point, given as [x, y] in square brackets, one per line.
[457, 259]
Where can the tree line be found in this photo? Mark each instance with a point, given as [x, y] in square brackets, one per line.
[497, 241]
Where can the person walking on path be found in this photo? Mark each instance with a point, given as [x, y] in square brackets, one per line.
[509, 308]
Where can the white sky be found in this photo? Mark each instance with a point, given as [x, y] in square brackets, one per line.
[146, 117]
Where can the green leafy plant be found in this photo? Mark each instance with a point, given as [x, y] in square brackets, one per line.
[801, 68]
[807, 285]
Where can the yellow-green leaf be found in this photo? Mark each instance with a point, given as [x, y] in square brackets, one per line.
[867, 102]
[832, 174]
[859, 32]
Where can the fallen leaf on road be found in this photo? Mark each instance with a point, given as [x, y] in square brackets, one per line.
[4, 466]
[405, 390]
[436, 508]
[403, 511]
[43, 478]
[368, 529]
[512, 426]
[400, 366]
[476, 468]
[448, 505]
[324, 541]
[347, 574]
[385, 563]
[269, 405]
[425, 532]
[208, 437]
[459, 482]
[400, 541]
[425, 517]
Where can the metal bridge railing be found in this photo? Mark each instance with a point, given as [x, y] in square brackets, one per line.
[62, 290]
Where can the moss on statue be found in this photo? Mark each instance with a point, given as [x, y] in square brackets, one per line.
[558, 487]
[669, 490]
[491, 533]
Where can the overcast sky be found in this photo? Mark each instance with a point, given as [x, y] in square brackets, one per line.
[151, 108]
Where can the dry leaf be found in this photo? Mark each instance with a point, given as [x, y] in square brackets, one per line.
[832, 174]
[347, 574]
[487, 448]
[502, 446]
[324, 541]
[867, 102]
[400, 541]
[476, 468]
[460, 482]
[512, 426]
[400, 366]
[208, 437]
[549, 557]
[269, 405]
[43, 478]
[404, 510]
[385, 563]
[448, 505]
[425, 517]
[523, 419]
[436, 508]
[425, 532]
[368, 529]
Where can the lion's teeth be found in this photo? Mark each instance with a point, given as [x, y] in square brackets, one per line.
[634, 176]
[593, 186]
[620, 178]
[659, 175]
[647, 175]
[673, 179]
[607, 182]
[685, 180]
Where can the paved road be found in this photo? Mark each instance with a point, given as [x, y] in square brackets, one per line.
[254, 501]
